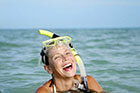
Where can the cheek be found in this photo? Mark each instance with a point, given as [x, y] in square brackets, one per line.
[57, 63]
[72, 58]
[51, 63]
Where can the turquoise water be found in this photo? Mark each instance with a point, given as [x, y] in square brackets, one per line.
[111, 56]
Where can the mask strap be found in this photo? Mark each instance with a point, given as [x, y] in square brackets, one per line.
[39, 60]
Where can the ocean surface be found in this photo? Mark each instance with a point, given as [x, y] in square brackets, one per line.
[111, 56]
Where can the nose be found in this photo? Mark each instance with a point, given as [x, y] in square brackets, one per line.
[64, 57]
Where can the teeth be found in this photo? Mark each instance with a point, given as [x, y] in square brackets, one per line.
[67, 65]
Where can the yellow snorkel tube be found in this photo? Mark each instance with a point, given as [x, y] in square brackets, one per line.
[77, 57]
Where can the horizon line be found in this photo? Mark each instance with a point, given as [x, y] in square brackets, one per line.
[75, 28]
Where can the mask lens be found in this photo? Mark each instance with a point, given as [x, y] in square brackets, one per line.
[52, 42]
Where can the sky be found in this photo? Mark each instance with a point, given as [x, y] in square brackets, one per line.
[69, 14]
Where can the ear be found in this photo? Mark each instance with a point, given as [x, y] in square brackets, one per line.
[48, 69]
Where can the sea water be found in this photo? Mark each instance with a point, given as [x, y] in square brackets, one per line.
[111, 56]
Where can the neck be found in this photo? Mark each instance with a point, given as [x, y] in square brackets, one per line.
[63, 84]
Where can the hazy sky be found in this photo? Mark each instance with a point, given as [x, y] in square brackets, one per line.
[69, 13]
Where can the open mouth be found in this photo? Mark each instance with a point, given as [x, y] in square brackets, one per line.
[67, 67]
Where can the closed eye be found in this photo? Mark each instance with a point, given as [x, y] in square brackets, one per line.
[57, 57]
[67, 53]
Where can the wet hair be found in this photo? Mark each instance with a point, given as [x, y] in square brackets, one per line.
[44, 56]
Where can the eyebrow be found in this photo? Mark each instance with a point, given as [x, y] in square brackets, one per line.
[66, 50]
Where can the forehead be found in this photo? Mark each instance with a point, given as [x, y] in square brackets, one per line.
[58, 49]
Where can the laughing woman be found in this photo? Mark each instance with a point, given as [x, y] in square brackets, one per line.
[60, 63]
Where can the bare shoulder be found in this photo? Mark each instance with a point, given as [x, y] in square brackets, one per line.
[93, 84]
[78, 77]
[45, 88]
[42, 89]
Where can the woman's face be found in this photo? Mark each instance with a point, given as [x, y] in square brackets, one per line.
[62, 61]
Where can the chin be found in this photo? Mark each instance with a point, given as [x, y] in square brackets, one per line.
[71, 73]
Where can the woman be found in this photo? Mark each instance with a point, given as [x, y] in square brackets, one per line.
[60, 63]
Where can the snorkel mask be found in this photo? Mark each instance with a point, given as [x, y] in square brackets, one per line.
[54, 39]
